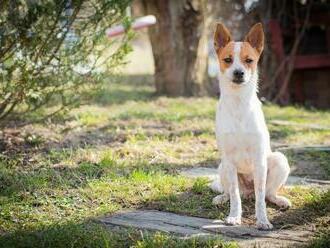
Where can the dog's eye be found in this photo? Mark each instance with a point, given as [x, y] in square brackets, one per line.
[248, 61]
[228, 60]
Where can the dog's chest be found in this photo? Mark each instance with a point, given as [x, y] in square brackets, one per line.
[241, 132]
[241, 149]
[240, 118]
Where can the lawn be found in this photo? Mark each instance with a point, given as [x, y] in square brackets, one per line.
[123, 150]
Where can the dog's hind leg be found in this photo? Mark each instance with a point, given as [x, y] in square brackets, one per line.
[220, 185]
[278, 172]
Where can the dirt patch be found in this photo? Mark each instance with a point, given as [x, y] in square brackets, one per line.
[308, 169]
[310, 162]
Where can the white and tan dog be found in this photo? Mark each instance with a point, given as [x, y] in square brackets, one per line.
[248, 165]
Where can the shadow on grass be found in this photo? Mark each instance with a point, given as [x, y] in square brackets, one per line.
[109, 135]
[71, 234]
[308, 213]
[321, 241]
[197, 201]
[92, 234]
[194, 200]
[62, 177]
[311, 215]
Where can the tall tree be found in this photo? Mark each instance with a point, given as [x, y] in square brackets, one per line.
[179, 44]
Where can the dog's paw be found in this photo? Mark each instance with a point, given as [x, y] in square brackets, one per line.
[220, 199]
[233, 220]
[264, 225]
[280, 201]
[283, 202]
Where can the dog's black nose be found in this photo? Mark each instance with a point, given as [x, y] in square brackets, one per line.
[238, 76]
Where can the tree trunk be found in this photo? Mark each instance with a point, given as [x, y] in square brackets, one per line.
[179, 44]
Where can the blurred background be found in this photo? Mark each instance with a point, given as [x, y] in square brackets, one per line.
[67, 39]
[295, 63]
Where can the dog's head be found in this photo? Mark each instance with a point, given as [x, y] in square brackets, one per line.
[238, 60]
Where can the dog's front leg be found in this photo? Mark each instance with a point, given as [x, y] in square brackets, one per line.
[235, 214]
[260, 177]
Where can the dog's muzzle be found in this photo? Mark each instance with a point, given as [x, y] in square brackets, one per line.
[238, 77]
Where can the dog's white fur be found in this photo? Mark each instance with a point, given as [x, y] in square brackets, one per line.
[248, 165]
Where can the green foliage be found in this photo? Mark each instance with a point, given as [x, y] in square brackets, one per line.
[51, 49]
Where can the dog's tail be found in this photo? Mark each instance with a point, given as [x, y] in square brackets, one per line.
[215, 185]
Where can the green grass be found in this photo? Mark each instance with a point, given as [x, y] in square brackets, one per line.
[91, 234]
[298, 114]
[123, 151]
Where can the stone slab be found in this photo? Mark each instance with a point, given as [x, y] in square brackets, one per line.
[296, 148]
[188, 226]
[212, 173]
[207, 172]
[295, 124]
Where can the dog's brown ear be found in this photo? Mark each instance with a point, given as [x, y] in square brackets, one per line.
[256, 37]
[221, 37]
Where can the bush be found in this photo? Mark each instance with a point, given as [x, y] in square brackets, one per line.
[49, 48]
